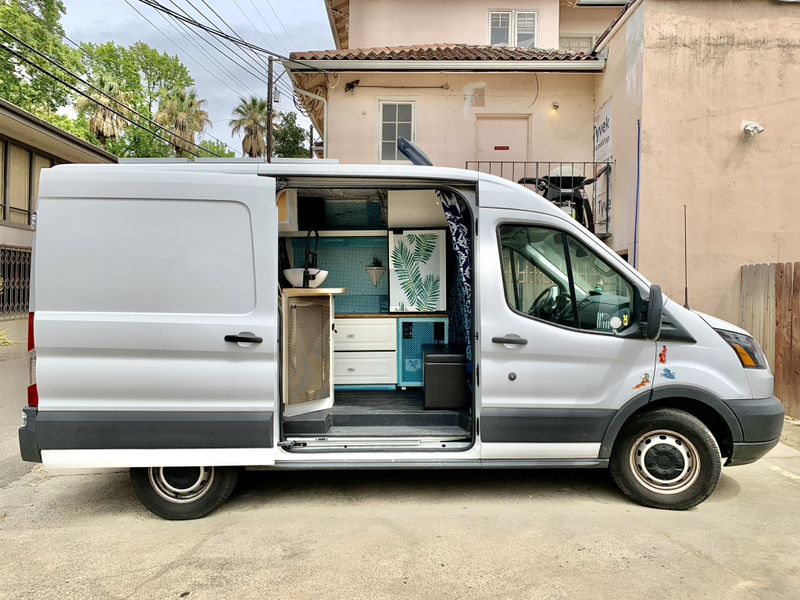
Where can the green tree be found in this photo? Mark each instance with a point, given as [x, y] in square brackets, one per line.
[104, 108]
[183, 113]
[251, 118]
[215, 149]
[37, 23]
[146, 75]
[291, 140]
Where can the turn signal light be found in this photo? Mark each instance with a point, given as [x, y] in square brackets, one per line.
[746, 347]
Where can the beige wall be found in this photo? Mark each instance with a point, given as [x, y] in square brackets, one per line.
[393, 23]
[709, 65]
[621, 88]
[582, 21]
[445, 119]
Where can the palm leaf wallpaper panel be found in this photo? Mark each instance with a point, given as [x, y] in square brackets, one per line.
[417, 271]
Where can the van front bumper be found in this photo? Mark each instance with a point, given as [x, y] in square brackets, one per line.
[761, 420]
[28, 442]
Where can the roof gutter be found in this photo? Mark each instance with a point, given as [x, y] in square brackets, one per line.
[621, 20]
[547, 66]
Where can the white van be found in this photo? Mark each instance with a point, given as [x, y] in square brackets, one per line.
[438, 318]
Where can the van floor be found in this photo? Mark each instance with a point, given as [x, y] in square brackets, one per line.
[397, 413]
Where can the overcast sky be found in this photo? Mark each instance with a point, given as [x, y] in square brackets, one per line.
[306, 28]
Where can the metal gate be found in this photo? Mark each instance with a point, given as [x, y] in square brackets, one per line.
[15, 281]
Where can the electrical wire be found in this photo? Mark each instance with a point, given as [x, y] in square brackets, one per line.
[291, 39]
[97, 89]
[260, 33]
[26, 60]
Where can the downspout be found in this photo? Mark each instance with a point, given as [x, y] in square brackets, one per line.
[638, 192]
[299, 90]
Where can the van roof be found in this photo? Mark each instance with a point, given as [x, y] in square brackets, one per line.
[522, 199]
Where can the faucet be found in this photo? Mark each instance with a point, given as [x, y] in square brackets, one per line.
[310, 257]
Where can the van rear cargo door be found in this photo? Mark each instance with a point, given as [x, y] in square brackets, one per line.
[156, 316]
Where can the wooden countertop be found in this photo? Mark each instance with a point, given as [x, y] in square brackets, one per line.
[297, 292]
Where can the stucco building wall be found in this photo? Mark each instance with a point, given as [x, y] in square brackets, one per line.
[446, 118]
[709, 66]
[378, 23]
[620, 88]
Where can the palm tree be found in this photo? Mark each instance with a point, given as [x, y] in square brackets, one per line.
[184, 115]
[251, 117]
[104, 123]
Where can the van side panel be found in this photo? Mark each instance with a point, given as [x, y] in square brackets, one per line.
[139, 277]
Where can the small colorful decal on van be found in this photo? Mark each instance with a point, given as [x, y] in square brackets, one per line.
[668, 374]
[644, 382]
[662, 356]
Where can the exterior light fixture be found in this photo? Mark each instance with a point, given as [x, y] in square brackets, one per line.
[751, 129]
[556, 106]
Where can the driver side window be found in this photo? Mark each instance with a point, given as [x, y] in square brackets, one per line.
[553, 277]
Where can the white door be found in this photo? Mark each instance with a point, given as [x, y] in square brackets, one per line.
[156, 314]
[502, 140]
[560, 345]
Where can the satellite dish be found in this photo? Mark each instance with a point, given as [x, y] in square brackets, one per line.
[412, 153]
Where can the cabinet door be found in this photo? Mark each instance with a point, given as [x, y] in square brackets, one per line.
[352, 368]
[365, 334]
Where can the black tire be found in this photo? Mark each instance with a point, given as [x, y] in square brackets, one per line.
[656, 456]
[182, 493]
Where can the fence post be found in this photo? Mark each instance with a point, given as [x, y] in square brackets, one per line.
[793, 381]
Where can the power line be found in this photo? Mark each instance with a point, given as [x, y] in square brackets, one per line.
[186, 31]
[230, 28]
[170, 40]
[98, 90]
[87, 96]
[263, 20]
[291, 39]
[95, 60]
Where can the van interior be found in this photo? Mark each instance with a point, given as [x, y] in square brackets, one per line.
[376, 342]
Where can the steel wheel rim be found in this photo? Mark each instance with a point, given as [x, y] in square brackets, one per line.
[181, 484]
[665, 462]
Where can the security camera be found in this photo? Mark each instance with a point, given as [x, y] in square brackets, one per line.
[752, 129]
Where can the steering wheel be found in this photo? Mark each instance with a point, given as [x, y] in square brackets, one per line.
[545, 302]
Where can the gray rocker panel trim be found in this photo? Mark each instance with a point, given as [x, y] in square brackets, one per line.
[543, 425]
[138, 430]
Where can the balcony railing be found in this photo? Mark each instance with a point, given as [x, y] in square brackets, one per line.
[556, 181]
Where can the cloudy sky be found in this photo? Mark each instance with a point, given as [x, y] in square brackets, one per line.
[299, 25]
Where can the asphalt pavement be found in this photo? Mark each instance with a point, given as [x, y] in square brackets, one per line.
[386, 534]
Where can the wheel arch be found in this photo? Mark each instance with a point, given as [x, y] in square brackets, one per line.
[711, 410]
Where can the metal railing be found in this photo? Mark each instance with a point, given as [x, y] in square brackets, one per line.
[598, 190]
[15, 281]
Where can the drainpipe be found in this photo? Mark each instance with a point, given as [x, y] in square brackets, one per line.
[638, 192]
[299, 90]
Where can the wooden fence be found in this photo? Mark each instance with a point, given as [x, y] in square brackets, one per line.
[770, 310]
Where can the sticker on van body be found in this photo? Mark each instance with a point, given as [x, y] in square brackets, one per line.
[644, 382]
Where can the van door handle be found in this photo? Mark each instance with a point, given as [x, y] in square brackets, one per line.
[513, 341]
[245, 338]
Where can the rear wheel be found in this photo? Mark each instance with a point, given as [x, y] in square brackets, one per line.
[180, 493]
[666, 458]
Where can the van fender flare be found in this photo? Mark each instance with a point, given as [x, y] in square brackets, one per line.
[662, 393]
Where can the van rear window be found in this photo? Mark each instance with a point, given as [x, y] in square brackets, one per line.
[145, 256]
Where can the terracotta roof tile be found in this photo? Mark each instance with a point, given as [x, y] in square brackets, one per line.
[464, 52]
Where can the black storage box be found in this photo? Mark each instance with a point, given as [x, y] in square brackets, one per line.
[444, 376]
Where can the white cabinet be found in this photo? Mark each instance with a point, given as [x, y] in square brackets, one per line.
[287, 211]
[366, 351]
[365, 334]
[365, 368]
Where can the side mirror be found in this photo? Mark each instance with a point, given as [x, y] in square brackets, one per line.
[655, 312]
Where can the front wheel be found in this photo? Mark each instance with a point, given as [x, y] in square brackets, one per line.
[181, 493]
[666, 458]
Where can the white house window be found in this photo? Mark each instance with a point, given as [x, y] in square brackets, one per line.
[500, 28]
[397, 120]
[513, 28]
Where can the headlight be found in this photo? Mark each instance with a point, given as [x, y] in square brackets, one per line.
[746, 348]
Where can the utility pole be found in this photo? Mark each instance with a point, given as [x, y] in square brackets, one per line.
[269, 109]
[311, 141]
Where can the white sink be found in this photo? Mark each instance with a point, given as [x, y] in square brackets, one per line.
[295, 277]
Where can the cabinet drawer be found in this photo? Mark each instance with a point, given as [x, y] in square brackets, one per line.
[365, 334]
[364, 367]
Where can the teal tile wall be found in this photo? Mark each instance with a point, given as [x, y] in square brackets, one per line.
[346, 258]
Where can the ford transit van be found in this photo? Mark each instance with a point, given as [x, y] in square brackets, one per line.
[190, 320]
